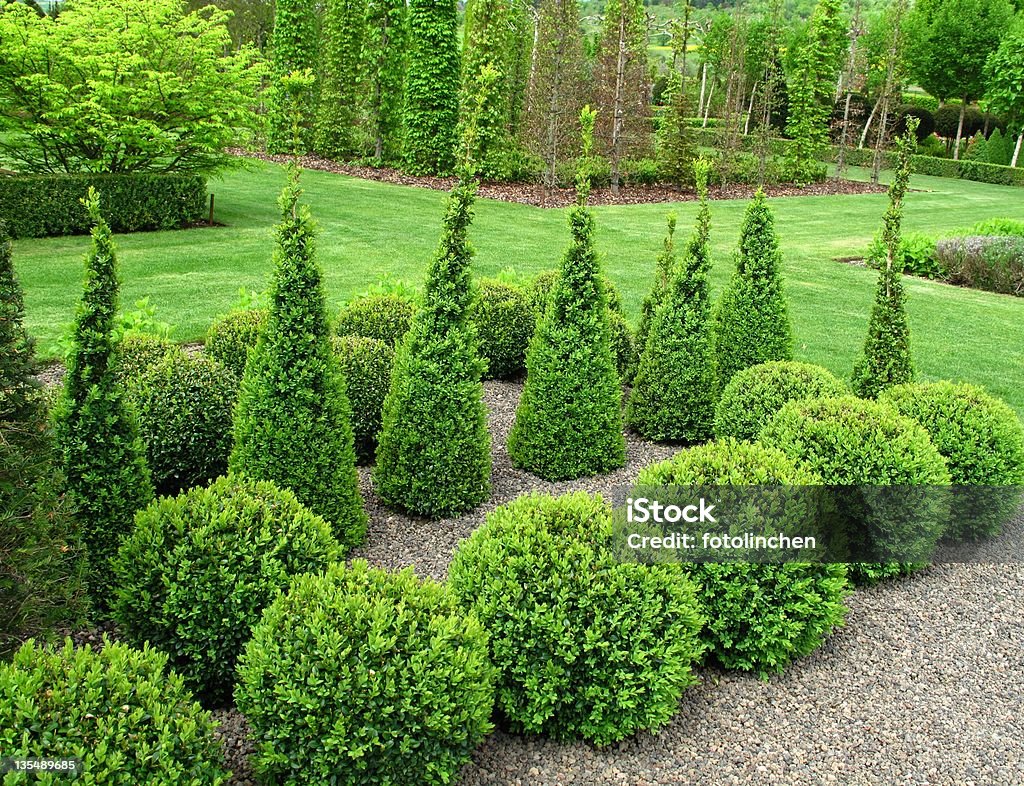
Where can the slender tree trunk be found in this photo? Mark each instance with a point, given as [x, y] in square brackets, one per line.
[617, 117]
[867, 124]
[959, 130]
[703, 82]
[750, 108]
[841, 156]
[1016, 149]
[531, 80]
[707, 107]
[552, 145]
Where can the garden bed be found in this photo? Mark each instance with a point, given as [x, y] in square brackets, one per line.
[923, 685]
[533, 193]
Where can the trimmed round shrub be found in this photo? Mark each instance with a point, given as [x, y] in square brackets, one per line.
[925, 121]
[947, 120]
[137, 353]
[366, 364]
[116, 709]
[982, 440]
[184, 405]
[504, 320]
[232, 336]
[362, 676]
[755, 394]
[587, 646]
[384, 317]
[849, 441]
[199, 568]
[760, 616]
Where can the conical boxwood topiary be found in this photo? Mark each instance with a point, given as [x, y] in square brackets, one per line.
[434, 453]
[569, 420]
[292, 422]
[104, 459]
[663, 273]
[886, 360]
[751, 319]
[673, 398]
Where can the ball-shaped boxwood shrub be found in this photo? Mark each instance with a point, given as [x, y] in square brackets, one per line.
[848, 441]
[981, 439]
[117, 709]
[184, 405]
[232, 336]
[136, 353]
[384, 317]
[587, 646]
[362, 676]
[504, 319]
[760, 616]
[366, 364]
[199, 568]
[755, 394]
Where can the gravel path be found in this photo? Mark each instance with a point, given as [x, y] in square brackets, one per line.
[924, 686]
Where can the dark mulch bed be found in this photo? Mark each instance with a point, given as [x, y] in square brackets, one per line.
[533, 193]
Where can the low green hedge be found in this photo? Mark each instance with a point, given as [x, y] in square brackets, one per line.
[48, 205]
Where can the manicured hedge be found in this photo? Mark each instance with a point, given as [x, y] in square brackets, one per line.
[48, 205]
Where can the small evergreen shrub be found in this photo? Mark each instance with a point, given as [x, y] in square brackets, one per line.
[848, 441]
[293, 421]
[543, 285]
[385, 317]
[366, 364]
[916, 255]
[925, 121]
[504, 320]
[755, 394]
[982, 440]
[434, 452]
[117, 709]
[665, 269]
[362, 676]
[184, 405]
[998, 226]
[760, 616]
[232, 337]
[674, 392]
[587, 646]
[569, 420]
[137, 353]
[103, 458]
[196, 573]
[751, 321]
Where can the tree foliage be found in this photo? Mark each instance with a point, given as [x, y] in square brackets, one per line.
[886, 360]
[103, 458]
[294, 49]
[432, 88]
[385, 62]
[293, 418]
[136, 85]
[751, 319]
[1004, 75]
[812, 89]
[341, 41]
[675, 390]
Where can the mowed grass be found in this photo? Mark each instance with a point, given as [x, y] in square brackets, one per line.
[370, 230]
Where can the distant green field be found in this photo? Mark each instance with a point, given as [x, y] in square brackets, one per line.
[370, 230]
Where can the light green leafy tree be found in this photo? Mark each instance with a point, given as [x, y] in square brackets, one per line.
[1004, 76]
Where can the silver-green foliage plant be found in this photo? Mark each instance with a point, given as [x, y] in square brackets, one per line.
[754, 395]
[357, 675]
[760, 616]
[292, 423]
[587, 646]
[675, 389]
[103, 458]
[199, 568]
[132, 86]
[117, 709]
[751, 318]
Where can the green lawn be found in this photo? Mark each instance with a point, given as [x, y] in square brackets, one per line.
[371, 229]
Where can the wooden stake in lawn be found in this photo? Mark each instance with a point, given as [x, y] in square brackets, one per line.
[103, 458]
[434, 453]
[569, 420]
[886, 361]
